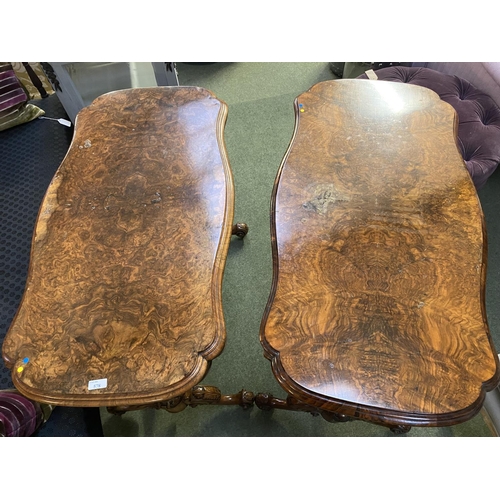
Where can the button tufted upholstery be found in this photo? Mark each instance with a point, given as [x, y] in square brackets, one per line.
[478, 116]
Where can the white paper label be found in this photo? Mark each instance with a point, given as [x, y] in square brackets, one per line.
[64, 122]
[371, 74]
[98, 384]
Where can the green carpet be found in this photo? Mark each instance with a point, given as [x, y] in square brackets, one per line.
[259, 127]
[490, 201]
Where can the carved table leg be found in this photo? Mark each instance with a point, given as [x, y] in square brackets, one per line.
[240, 229]
[198, 395]
[268, 402]
[209, 395]
[400, 429]
[115, 410]
[335, 417]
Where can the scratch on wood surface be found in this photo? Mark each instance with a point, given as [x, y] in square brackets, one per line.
[325, 195]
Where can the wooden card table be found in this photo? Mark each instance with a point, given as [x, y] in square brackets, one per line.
[122, 305]
[377, 310]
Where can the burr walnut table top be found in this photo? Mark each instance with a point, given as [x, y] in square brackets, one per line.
[379, 254]
[127, 258]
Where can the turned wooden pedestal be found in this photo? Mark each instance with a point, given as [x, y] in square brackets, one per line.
[122, 304]
[379, 252]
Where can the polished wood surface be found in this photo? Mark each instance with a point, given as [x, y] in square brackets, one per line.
[128, 254]
[379, 252]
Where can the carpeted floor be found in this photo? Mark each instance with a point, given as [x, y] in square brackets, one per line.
[29, 157]
[259, 127]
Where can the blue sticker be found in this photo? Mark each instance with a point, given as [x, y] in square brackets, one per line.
[25, 360]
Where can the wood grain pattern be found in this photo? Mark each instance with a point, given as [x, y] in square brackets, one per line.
[377, 304]
[128, 254]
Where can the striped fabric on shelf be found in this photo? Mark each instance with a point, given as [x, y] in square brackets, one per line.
[14, 106]
[12, 95]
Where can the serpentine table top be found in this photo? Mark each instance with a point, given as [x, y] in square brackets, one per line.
[379, 253]
[123, 299]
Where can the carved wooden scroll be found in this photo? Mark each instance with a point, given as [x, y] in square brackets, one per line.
[377, 304]
[123, 299]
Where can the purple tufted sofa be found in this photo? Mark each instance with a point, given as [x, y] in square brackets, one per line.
[478, 113]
